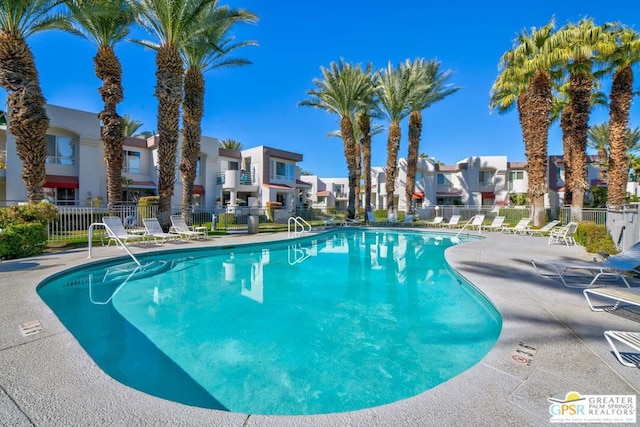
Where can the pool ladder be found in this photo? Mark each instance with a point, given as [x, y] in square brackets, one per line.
[297, 226]
[117, 239]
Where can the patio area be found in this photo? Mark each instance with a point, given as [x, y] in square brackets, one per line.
[47, 378]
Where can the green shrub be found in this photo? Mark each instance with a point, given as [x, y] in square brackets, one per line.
[23, 240]
[144, 203]
[42, 213]
[595, 238]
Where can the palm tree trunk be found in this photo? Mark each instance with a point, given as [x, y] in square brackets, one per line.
[537, 120]
[393, 146]
[580, 87]
[620, 102]
[364, 123]
[109, 70]
[415, 131]
[28, 120]
[359, 175]
[567, 144]
[349, 142]
[192, 118]
[169, 95]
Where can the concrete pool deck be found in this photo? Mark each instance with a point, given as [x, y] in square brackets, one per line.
[47, 378]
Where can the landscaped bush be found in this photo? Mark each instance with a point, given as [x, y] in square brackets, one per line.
[23, 240]
[595, 238]
[42, 213]
[144, 203]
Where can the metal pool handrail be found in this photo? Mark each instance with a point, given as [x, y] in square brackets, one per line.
[113, 235]
[297, 221]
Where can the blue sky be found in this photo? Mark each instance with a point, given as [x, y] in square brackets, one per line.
[258, 104]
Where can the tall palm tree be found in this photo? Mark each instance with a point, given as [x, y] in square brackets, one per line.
[28, 120]
[231, 144]
[622, 53]
[435, 88]
[172, 23]
[363, 130]
[576, 47]
[525, 81]
[396, 91]
[341, 91]
[598, 139]
[208, 51]
[105, 23]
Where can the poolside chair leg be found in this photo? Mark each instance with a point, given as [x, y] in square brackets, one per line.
[609, 335]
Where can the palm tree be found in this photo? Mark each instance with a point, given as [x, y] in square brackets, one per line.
[435, 88]
[342, 91]
[172, 23]
[28, 120]
[576, 48]
[396, 91]
[622, 52]
[131, 126]
[231, 144]
[208, 51]
[598, 139]
[106, 23]
[525, 81]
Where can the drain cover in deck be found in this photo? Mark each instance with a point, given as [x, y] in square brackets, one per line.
[31, 328]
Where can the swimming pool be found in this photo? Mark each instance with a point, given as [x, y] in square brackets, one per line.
[335, 322]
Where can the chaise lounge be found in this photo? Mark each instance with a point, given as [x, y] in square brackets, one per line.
[620, 266]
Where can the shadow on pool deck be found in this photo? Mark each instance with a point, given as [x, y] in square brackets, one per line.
[48, 379]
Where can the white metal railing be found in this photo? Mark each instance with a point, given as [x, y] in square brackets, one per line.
[297, 225]
[111, 235]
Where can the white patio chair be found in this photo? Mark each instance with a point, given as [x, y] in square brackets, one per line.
[564, 235]
[117, 233]
[521, 228]
[496, 224]
[179, 227]
[154, 230]
[435, 222]
[454, 221]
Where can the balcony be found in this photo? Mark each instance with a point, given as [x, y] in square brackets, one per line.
[237, 180]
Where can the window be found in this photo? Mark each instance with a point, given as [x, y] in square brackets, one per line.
[282, 171]
[131, 162]
[516, 175]
[444, 179]
[60, 196]
[61, 149]
[198, 167]
[486, 177]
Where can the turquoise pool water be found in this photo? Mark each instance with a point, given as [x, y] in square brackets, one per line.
[330, 323]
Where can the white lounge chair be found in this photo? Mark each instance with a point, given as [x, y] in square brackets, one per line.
[179, 227]
[611, 269]
[496, 224]
[476, 223]
[154, 230]
[117, 233]
[544, 230]
[564, 235]
[372, 220]
[521, 228]
[437, 221]
[630, 339]
[392, 219]
[408, 220]
[454, 221]
[630, 296]
[351, 221]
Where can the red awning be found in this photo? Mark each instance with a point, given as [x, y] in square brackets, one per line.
[279, 186]
[324, 193]
[488, 195]
[61, 181]
[198, 189]
[418, 195]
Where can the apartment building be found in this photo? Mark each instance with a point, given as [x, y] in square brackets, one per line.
[473, 181]
[76, 174]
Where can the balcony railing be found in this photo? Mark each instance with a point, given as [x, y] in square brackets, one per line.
[245, 178]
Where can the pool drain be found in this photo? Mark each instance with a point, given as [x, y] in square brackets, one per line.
[31, 328]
